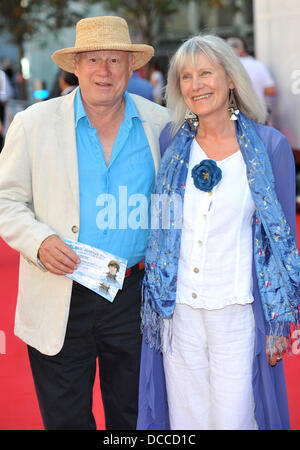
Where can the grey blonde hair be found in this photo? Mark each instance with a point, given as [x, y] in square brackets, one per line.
[220, 53]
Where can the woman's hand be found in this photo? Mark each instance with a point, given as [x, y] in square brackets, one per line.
[275, 348]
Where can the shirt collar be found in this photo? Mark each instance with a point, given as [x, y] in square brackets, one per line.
[78, 108]
[131, 111]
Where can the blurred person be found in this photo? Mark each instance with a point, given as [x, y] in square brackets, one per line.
[61, 156]
[260, 76]
[9, 70]
[55, 90]
[157, 81]
[140, 86]
[40, 92]
[221, 285]
[67, 82]
[6, 93]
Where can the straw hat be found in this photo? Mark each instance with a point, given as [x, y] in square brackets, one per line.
[102, 33]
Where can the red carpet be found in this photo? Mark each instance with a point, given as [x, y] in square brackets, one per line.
[18, 404]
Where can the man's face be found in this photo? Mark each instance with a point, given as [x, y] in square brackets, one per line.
[103, 75]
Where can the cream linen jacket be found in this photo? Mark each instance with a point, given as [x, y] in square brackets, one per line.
[39, 196]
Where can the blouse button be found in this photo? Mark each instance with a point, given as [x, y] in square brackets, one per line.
[199, 243]
[196, 270]
[194, 295]
[75, 229]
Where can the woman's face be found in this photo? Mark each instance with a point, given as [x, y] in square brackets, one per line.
[205, 87]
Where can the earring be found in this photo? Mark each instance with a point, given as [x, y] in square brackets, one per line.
[192, 118]
[232, 108]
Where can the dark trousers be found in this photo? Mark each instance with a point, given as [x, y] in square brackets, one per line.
[96, 328]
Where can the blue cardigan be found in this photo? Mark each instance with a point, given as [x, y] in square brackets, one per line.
[269, 388]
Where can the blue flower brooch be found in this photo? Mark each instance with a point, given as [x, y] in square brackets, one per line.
[206, 175]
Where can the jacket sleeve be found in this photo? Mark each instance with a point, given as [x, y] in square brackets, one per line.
[19, 226]
[283, 165]
[284, 171]
[165, 138]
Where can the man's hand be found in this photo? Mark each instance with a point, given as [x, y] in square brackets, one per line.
[57, 256]
[275, 350]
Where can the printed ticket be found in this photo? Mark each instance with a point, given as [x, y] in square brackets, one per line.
[100, 271]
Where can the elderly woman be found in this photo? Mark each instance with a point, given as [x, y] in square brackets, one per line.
[221, 291]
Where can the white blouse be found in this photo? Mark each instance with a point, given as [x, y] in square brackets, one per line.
[215, 264]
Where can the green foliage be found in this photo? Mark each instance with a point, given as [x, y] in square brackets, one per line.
[142, 14]
[22, 18]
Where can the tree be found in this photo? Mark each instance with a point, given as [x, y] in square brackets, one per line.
[21, 19]
[143, 15]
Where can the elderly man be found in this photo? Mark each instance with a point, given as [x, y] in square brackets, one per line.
[61, 156]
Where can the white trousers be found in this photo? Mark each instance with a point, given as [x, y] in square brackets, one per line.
[209, 369]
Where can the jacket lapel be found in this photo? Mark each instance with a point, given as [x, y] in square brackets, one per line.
[65, 131]
[152, 133]
[152, 126]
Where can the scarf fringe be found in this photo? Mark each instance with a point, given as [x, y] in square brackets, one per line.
[158, 330]
[284, 337]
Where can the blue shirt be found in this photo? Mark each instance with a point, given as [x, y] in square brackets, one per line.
[114, 199]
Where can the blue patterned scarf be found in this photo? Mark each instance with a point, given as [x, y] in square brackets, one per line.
[276, 256]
